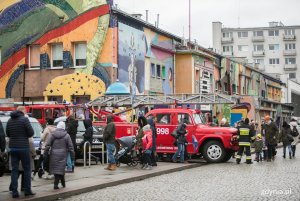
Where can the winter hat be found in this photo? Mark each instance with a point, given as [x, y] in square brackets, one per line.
[223, 121]
[61, 125]
[258, 136]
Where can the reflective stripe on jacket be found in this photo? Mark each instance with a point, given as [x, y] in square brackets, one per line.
[246, 133]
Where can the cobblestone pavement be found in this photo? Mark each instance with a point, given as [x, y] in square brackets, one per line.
[278, 180]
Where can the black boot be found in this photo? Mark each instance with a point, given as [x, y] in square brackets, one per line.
[283, 155]
[238, 160]
[290, 155]
[56, 180]
[63, 182]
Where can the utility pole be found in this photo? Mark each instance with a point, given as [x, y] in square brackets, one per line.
[24, 76]
[189, 21]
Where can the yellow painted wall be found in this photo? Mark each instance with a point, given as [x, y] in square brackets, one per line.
[183, 73]
[77, 84]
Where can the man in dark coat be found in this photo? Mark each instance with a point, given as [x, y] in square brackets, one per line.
[19, 130]
[71, 128]
[271, 132]
[109, 138]
[246, 135]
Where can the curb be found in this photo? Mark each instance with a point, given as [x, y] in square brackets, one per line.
[70, 193]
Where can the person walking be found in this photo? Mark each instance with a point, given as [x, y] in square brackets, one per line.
[142, 121]
[258, 146]
[153, 157]
[286, 138]
[181, 140]
[295, 134]
[50, 128]
[147, 146]
[59, 144]
[71, 128]
[109, 138]
[19, 130]
[271, 132]
[246, 135]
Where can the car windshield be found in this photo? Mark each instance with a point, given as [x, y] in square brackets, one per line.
[199, 118]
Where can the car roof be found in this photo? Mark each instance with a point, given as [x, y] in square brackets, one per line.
[63, 118]
[6, 118]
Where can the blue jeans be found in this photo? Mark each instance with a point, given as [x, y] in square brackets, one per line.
[110, 153]
[22, 155]
[180, 151]
[70, 163]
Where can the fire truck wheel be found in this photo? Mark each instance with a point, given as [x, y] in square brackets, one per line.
[213, 152]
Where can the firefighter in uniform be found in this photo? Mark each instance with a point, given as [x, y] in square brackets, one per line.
[246, 135]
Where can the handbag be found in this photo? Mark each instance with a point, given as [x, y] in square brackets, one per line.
[174, 133]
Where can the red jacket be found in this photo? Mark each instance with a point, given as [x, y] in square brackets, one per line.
[147, 139]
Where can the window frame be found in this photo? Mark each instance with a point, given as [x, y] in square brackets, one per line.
[274, 31]
[289, 32]
[275, 61]
[62, 49]
[158, 71]
[74, 60]
[274, 45]
[256, 35]
[287, 60]
[290, 45]
[163, 72]
[29, 57]
[240, 48]
[255, 49]
[153, 70]
[243, 34]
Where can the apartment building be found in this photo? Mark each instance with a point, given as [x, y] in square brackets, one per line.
[274, 49]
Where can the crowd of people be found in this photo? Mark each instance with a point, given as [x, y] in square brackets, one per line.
[265, 139]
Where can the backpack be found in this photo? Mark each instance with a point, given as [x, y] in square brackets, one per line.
[294, 132]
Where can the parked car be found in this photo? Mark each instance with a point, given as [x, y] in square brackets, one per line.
[97, 137]
[4, 117]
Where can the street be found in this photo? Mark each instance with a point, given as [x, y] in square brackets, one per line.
[277, 180]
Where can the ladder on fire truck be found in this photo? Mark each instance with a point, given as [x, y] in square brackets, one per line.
[171, 99]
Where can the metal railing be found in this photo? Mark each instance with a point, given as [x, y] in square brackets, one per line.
[102, 153]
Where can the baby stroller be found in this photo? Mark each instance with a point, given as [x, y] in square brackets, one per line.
[126, 153]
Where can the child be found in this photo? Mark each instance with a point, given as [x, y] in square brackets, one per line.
[258, 145]
[147, 146]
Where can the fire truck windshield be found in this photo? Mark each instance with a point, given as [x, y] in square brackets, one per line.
[199, 118]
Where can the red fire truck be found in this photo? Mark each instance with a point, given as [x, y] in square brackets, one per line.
[215, 144]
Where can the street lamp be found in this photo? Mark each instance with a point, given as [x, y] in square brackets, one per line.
[24, 66]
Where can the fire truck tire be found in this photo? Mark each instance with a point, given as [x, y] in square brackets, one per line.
[213, 152]
[227, 156]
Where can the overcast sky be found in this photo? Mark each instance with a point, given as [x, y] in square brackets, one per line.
[232, 13]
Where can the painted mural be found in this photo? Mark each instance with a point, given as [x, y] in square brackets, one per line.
[159, 49]
[131, 57]
[66, 22]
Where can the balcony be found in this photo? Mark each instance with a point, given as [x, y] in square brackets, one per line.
[258, 53]
[289, 53]
[289, 37]
[290, 67]
[228, 54]
[227, 40]
[258, 39]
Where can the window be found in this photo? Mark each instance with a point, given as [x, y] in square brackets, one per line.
[243, 34]
[259, 47]
[274, 61]
[290, 46]
[163, 72]
[292, 75]
[274, 33]
[290, 60]
[80, 55]
[34, 56]
[243, 48]
[163, 118]
[227, 48]
[258, 61]
[158, 71]
[289, 32]
[227, 34]
[57, 55]
[37, 113]
[204, 82]
[258, 33]
[181, 117]
[153, 70]
[274, 47]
